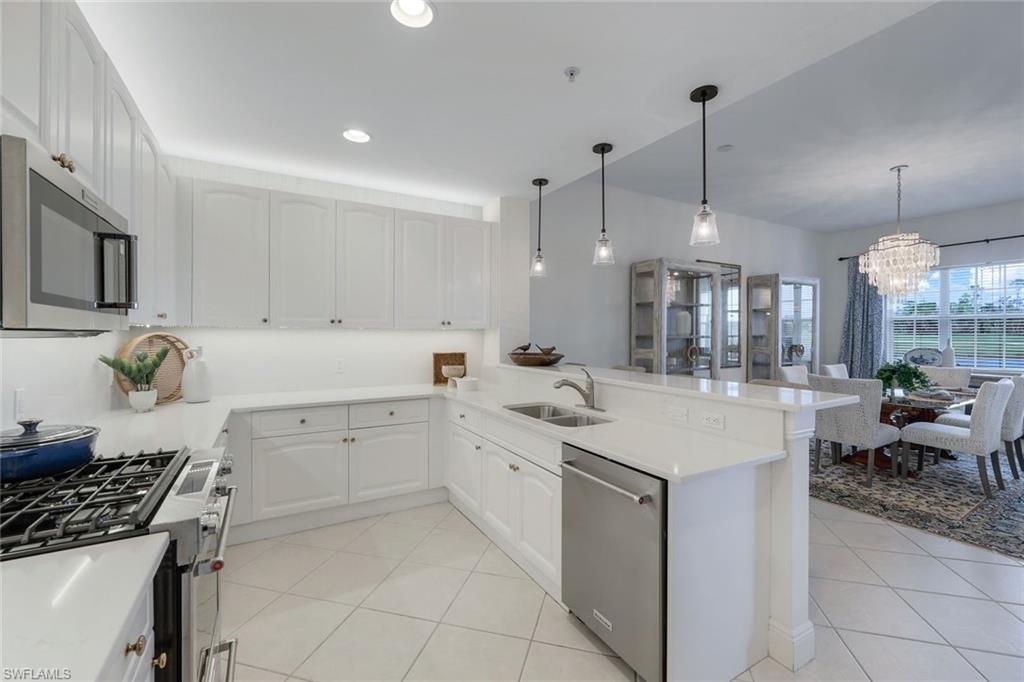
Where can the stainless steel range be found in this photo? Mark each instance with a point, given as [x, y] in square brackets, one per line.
[180, 492]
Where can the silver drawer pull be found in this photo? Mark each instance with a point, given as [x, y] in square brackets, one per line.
[391, 413]
[206, 658]
[639, 499]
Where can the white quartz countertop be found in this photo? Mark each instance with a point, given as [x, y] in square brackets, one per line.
[67, 609]
[668, 452]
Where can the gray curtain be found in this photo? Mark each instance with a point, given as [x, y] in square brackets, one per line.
[863, 334]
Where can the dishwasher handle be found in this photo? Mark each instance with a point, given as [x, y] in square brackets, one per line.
[638, 499]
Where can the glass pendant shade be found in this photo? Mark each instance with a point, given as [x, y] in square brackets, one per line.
[537, 267]
[897, 263]
[603, 254]
[705, 228]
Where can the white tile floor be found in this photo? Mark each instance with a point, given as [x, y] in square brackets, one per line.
[423, 595]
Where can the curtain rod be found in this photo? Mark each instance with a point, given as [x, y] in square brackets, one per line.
[946, 246]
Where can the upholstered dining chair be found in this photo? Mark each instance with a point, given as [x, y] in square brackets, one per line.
[836, 371]
[794, 374]
[981, 439]
[1012, 433]
[948, 377]
[855, 425]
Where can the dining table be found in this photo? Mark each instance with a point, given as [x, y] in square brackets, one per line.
[900, 408]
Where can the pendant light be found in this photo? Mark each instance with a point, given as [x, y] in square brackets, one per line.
[537, 266]
[603, 254]
[705, 228]
[897, 263]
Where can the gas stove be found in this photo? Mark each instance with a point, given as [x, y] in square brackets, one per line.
[106, 499]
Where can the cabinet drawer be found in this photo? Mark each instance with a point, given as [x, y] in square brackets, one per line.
[301, 420]
[544, 451]
[384, 414]
[465, 416]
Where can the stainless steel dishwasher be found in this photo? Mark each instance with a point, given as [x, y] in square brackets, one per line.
[613, 556]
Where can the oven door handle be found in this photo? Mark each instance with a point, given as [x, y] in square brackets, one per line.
[217, 562]
[131, 250]
[206, 659]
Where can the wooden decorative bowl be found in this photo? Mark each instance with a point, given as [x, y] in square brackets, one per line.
[535, 359]
[167, 381]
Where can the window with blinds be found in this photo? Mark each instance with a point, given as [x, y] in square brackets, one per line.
[980, 307]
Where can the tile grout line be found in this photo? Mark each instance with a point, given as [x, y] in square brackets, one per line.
[327, 637]
[419, 653]
[985, 596]
[856, 660]
[968, 580]
[906, 589]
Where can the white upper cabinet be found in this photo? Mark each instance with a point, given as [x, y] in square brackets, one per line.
[121, 140]
[365, 283]
[144, 225]
[21, 66]
[442, 272]
[302, 266]
[168, 245]
[230, 262]
[419, 270]
[77, 78]
[468, 268]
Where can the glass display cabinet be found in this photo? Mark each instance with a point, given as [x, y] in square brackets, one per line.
[782, 324]
[674, 317]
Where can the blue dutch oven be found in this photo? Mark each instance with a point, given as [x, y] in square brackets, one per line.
[34, 451]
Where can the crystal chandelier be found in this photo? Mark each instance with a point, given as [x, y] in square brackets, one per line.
[897, 263]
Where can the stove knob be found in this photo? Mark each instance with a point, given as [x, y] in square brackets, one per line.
[210, 522]
[226, 462]
[220, 486]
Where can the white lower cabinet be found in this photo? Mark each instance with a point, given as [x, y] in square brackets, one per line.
[499, 481]
[538, 518]
[464, 467]
[386, 461]
[299, 473]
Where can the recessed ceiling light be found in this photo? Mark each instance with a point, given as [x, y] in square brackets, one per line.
[356, 135]
[725, 147]
[412, 13]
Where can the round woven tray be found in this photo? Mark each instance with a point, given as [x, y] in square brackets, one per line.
[167, 381]
[535, 359]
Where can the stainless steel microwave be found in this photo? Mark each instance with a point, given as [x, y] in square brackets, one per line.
[67, 259]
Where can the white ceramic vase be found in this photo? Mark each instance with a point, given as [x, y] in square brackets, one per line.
[142, 401]
[195, 380]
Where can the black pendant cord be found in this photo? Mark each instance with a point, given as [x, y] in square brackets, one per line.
[704, 145]
[602, 195]
[540, 209]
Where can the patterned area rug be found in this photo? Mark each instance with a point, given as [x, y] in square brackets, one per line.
[946, 500]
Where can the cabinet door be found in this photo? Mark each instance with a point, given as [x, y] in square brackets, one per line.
[230, 267]
[121, 141]
[386, 461]
[167, 247]
[21, 64]
[538, 518]
[79, 64]
[498, 498]
[144, 223]
[292, 474]
[468, 273]
[301, 260]
[464, 467]
[419, 272]
[366, 260]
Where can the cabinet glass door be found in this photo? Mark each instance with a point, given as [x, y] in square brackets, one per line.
[688, 322]
[797, 306]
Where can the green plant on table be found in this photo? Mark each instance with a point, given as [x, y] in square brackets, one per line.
[904, 374]
[139, 369]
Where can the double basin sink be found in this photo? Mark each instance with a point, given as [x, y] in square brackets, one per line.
[553, 414]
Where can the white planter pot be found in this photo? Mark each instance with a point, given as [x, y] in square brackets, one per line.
[142, 401]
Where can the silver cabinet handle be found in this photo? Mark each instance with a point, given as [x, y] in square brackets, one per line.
[206, 660]
[217, 562]
[639, 499]
[477, 447]
[162, 316]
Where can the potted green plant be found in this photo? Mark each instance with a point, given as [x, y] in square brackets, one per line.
[139, 370]
[906, 375]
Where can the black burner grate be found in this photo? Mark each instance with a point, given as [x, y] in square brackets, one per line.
[102, 500]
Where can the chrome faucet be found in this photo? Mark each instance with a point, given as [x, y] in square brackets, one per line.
[587, 393]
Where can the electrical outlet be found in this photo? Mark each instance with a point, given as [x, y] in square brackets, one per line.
[713, 420]
[679, 414]
[339, 366]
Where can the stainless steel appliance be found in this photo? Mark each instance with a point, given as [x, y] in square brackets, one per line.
[178, 492]
[68, 262]
[613, 556]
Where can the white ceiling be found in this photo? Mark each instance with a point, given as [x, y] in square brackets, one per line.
[470, 108]
[942, 91]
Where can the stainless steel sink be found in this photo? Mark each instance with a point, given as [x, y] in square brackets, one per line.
[575, 419]
[539, 410]
[553, 414]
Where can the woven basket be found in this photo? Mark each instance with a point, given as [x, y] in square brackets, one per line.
[167, 381]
